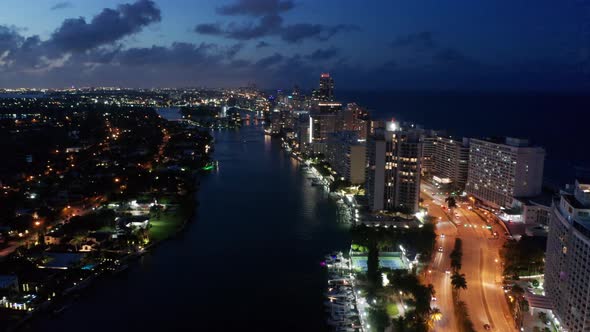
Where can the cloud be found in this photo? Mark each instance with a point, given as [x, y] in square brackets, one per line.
[62, 5]
[109, 26]
[234, 49]
[323, 54]
[272, 25]
[298, 32]
[75, 39]
[178, 54]
[270, 60]
[256, 7]
[267, 21]
[262, 44]
[415, 61]
[209, 29]
[10, 39]
[268, 25]
[421, 52]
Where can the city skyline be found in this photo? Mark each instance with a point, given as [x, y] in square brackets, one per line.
[276, 43]
[330, 165]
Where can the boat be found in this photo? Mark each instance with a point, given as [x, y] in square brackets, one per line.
[343, 281]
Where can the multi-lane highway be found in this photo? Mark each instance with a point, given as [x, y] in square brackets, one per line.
[481, 265]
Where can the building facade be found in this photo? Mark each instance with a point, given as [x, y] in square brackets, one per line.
[347, 156]
[326, 89]
[354, 118]
[393, 169]
[428, 149]
[567, 262]
[502, 169]
[450, 162]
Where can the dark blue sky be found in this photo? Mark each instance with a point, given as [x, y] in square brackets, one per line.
[376, 44]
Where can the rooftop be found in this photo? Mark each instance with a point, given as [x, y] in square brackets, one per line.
[510, 141]
[571, 200]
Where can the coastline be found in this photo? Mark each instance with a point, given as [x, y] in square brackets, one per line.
[186, 205]
[48, 308]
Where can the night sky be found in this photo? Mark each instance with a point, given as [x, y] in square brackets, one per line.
[366, 45]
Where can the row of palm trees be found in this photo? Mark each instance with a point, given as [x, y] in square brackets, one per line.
[458, 281]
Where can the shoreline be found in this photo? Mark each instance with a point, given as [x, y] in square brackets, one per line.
[47, 309]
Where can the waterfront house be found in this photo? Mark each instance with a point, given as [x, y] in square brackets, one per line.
[54, 238]
[88, 246]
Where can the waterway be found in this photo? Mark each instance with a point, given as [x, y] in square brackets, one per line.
[250, 261]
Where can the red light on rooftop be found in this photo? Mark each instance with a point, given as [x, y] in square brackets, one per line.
[325, 75]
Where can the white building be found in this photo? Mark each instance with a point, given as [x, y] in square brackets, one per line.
[450, 161]
[567, 262]
[500, 170]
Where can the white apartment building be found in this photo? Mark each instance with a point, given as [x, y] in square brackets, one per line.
[567, 262]
[502, 169]
[450, 162]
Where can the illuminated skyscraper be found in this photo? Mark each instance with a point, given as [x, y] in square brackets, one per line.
[393, 169]
[326, 90]
[567, 262]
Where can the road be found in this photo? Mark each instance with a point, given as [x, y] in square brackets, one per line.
[481, 265]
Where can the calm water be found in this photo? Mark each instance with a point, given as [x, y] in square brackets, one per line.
[248, 262]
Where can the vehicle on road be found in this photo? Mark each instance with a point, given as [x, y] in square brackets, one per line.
[440, 249]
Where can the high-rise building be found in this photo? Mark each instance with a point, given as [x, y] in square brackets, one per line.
[428, 148]
[450, 160]
[502, 169]
[354, 118]
[323, 121]
[302, 131]
[326, 89]
[567, 262]
[393, 169]
[347, 156]
[320, 126]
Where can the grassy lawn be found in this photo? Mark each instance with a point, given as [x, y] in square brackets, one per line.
[171, 221]
[392, 310]
[166, 226]
[106, 229]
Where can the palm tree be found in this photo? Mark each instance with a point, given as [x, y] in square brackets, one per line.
[431, 290]
[434, 316]
[458, 281]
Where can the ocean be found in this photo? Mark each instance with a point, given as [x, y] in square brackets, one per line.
[559, 123]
